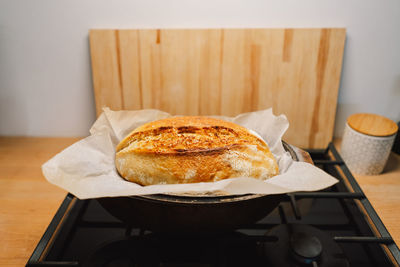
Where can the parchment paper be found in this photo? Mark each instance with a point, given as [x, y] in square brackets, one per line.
[87, 170]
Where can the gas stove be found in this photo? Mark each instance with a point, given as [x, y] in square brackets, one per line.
[333, 227]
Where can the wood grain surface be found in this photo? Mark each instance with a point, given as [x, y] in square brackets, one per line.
[224, 72]
[28, 202]
[372, 124]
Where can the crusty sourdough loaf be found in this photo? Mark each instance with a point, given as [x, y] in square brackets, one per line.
[191, 150]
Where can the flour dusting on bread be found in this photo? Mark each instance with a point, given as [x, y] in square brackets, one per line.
[193, 149]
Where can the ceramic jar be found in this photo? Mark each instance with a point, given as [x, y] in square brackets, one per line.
[367, 142]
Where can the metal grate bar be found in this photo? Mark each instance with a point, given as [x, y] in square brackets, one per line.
[345, 169]
[54, 263]
[282, 215]
[293, 203]
[99, 224]
[328, 162]
[357, 195]
[367, 205]
[363, 239]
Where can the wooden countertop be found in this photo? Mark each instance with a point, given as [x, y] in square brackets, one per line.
[28, 202]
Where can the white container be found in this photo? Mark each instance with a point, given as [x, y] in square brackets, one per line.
[363, 153]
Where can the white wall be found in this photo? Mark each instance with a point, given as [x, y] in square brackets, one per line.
[45, 76]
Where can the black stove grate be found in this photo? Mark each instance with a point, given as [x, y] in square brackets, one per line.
[81, 225]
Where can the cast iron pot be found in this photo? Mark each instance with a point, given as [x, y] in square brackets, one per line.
[180, 214]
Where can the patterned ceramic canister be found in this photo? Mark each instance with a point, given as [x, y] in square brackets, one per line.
[365, 154]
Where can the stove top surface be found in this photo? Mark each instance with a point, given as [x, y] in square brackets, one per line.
[326, 228]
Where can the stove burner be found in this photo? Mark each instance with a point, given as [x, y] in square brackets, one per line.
[305, 248]
[302, 245]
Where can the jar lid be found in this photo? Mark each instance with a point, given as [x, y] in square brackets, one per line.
[372, 124]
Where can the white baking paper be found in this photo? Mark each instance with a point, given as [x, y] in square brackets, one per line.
[87, 170]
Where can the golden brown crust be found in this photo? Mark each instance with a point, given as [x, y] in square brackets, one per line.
[192, 149]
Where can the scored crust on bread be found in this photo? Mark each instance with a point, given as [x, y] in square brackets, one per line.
[192, 149]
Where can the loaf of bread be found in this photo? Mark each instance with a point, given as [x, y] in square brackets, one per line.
[191, 150]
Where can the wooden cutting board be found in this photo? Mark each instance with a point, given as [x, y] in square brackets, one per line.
[224, 71]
